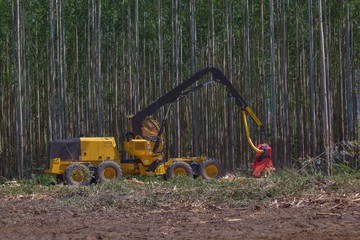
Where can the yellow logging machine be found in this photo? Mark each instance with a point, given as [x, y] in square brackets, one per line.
[80, 161]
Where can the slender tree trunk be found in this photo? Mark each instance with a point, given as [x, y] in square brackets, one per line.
[285, 115]
[324, 93]
[52, 74]
[38, 136]
[129, 63]
[88, 73]
[349, 95]
[262, 68]
[136, 87]
[123, 72]
[247, 70]
[19, 94]
[343, 135]
[99, 75]
[77, 86]
[66, 124]
[161, 53]
[299, 112]
[115, 56]
[230, 71]
[213, 113]
[313, 132]
[195, 121]
[94, 70]
[273, 85]
[59, 65]
[26, 100]
[177, 79]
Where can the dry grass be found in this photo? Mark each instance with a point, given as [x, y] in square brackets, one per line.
[233, 190]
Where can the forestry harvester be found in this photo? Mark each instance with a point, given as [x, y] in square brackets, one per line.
[80, 161]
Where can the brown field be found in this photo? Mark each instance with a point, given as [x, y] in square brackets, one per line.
[45, 215]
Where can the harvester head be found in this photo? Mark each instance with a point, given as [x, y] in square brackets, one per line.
[263, 165]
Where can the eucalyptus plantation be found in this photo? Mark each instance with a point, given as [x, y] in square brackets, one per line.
[71, 68]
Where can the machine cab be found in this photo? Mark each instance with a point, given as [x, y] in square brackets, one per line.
[143, 146]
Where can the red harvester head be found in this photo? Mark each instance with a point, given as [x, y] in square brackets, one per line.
[263, 161]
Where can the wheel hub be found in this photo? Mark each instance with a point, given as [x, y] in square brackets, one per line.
[109, 173]
[179, 171]
[212, 171]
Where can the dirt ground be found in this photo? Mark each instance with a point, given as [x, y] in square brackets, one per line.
[310, 217]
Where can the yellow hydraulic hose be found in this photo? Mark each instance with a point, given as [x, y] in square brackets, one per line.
[248, 134]
[254, 117]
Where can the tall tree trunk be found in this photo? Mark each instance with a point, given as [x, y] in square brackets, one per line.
[129, 62]
[66, 124]
[212, 109]
[88, 72]
[26, 100]
[195, 122]
[230, 71]
[285, 104]
[60, 80]
[115, 55]
[273, 86]
[299, 112]
[177, 79]
[136, 87]
[313, 132]
[324, 94]
[52, 75]
[123, 72]
[77, 86]
[349, 95]
[161, 53]
[19, 94]
[38, 136]
[99, 75]
[247, 69]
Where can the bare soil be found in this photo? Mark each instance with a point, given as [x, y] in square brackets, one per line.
[321, 216]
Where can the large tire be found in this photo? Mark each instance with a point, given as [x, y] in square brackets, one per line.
[179, 168]
[108, 171]
[212, 168]
[77, 174]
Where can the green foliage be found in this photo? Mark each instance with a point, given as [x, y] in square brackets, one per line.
[346, 157]
[43, 179]
[3, 180]
[343, 169]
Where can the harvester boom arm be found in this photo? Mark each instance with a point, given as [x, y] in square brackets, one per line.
[177, 92]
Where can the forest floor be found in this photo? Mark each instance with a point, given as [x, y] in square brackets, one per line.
[137, 209]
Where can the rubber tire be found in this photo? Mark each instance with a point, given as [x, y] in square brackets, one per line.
[216, 166]
[84, 171]
[171, 171]
[101, 171]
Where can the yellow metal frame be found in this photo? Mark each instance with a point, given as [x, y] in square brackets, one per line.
[95, 150]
